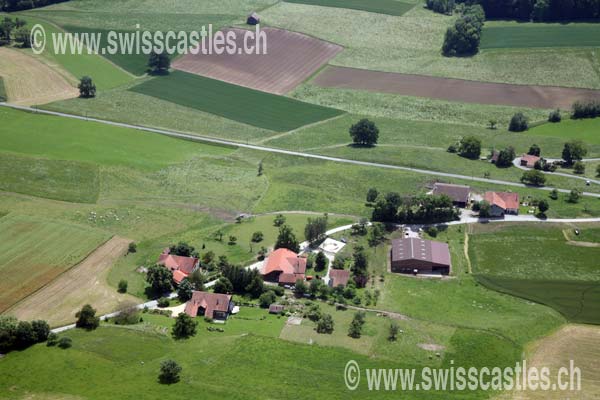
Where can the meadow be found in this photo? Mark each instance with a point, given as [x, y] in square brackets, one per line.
[579, 129]
[104, 73]
[389, 7]
[511, 35]
[35, 251]
[535, 262]
[263, 110]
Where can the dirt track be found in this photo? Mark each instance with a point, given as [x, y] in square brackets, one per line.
[453, 89]
[291, 58]
[28, 81]
[85, 283]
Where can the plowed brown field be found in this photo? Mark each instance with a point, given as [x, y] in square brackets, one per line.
[453, 89]
[291, 58]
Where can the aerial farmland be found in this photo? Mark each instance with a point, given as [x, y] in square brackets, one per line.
[300, 199]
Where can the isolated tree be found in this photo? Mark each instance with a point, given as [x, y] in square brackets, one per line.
[159, 64]
[554, 116]
[325, 324]
[260, 168]
[506, 157]
[257, 237]
[543, 206]
[279, 220]
[122, 286]
[492, 124]
[196, 279]
[169, 372]
[573, 151]
[315, 229]
[223, 285]
[372, 195]
[267, 298]
[360, 266]
[393, 333]
[232, 240]
[364, 133]
[534, 150]
[470, 147]
[533, 177]
[574, 196]
[355, 329]
[160, 278]
[598, 171]
[287, 240]
[86, 87]
[65, 342]
[185, 327]
[86, 318]
[41, 330]
[132, 248]
[579, 168]
[185, 290]
[518, 123]
[484, 209]
[554, 194]
[321, 262]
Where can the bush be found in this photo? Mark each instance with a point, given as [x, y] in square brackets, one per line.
[518, 123]
[65, 342]
[586, 109]
[130, 315]
[169, 372]
[325, 324]
[267, 298]
[533, 177]
[163, 302]
[52, 339]
[554, 116]
[86, 318]
[257, 237]
[123, 286]
[579, 168]
[185, 327]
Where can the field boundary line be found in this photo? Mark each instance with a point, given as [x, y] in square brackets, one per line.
[223, 142]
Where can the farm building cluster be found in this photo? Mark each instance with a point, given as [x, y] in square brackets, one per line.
[501, 203]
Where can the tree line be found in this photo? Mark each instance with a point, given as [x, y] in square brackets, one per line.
[539, 10]
[422, 209]
[18, 5]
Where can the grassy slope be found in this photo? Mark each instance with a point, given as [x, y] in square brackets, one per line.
[535, 263]
[35, 251]
[581, 129]
[104, 74]
[244, 105]
[411, 44]
[512, 35]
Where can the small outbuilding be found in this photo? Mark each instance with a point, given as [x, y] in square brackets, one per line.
[253, 19]
[528, 160]
[414, 255]
[276, 309]
[338, 277]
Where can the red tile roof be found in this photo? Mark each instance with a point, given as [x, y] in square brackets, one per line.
[211, 302]
[290, 279]
[286, 262]
[173, 262]
[504, 200]
[339, 277]
[529, 160]
[178, 276]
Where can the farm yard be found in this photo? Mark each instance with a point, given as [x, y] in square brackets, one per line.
[87, 207]
[36, 251]
[453, 89]
[290, 60]
[260, 109]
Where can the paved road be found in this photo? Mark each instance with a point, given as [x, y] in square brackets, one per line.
[287, 152]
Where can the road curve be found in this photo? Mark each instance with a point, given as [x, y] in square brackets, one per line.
[206, 139]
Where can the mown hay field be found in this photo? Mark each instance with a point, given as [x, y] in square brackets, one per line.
[390, 7]
[513, 35]
[36, 251]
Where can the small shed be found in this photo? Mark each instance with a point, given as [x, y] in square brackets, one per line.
[275, 309]
[253, 19]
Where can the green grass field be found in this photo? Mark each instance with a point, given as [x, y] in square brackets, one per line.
[390, 7]
[535, 262]
[590, 234]
[104, 74]
[581, 129]
[52, 179]
[263, 110]
[35, 251]
[540, 35]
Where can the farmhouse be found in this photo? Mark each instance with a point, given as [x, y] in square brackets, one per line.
[179, 265]
[410, 255]
[528, 160]
[284, 267]
[212, 305]
[459, 194]
[502, 203]
[253, 19]
[338, 277]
